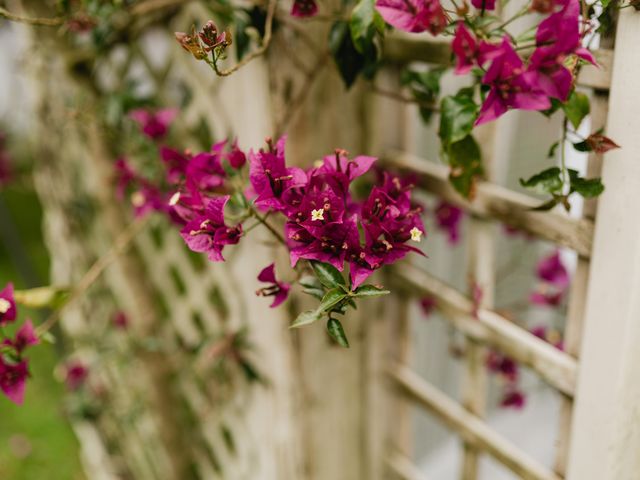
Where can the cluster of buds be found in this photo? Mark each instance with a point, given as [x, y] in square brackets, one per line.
[208, 39]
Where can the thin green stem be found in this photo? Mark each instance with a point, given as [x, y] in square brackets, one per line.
[268, 226]
[521, 13]
[563, 159]
[121, 244]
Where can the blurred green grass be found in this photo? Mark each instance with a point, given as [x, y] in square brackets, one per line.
[36, 442]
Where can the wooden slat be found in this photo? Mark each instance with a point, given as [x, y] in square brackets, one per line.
[470, 427]
[404, 48]
[554, 366]
[579, 283]
[605, 432]
[403, 467]
[500, 203]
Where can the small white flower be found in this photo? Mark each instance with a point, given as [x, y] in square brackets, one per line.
[416, 234]
[5, 305]
[317, 214]
[175, 198]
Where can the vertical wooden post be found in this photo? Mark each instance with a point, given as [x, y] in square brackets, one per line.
[606, 431]
[579, 284]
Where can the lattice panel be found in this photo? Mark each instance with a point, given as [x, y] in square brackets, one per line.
[494, 203]
[191, 304]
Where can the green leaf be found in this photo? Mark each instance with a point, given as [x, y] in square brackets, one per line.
[457, 116]
[582, 146]
[370, 291]
[588, 188]
[349, 60]
[331, 299]
[328, 275]
[547, 181]
[42, 297]
[576, 108]
[241, 39]
[306, 318]
[425, 88]
[364, 23]
[465, 160]
[314, 292]
[552, 150]
[309, 281]
[334, 327]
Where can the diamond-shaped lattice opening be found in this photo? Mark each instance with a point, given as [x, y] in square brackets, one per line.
[177, 280]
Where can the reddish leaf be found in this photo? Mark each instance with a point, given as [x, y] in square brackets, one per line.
[601, 144]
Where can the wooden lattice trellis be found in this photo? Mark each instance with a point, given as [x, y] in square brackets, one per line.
[288, 430]
[577, 456]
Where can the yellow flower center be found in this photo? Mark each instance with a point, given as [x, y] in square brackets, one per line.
[317, 214]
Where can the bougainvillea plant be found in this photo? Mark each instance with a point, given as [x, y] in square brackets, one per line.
[216, 197]
[533, 69]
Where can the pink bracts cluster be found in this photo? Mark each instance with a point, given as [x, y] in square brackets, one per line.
[530, 85]
[14, 366]
[323, 220]
[553, 281]
[514, 82]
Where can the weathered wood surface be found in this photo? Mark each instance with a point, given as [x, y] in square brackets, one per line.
[472, 428]
[499, 203]
[605, 433]
[554, 366]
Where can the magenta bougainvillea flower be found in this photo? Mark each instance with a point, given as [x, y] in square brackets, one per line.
[328, 243]
[551, 270]
[304, 8]
[427, 305]
[548, 335]
[154, 125]
[276, 289]
[271, 179]
[13, 377]
[145, 197]
[448, 219]
[554, 281]
[120, 320]
[503, 365]
[557, 37]
[5, 162]
[323, 220]
[24, 337]
[510, 87]
[469, 51]
[236, 157]
[175, 163]
[513, 398]
[560, 33]
[549, 74]
[208, 233]
[546, 297]
[413, 15]
[484, 4]
[8, 310]
[76, 373]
